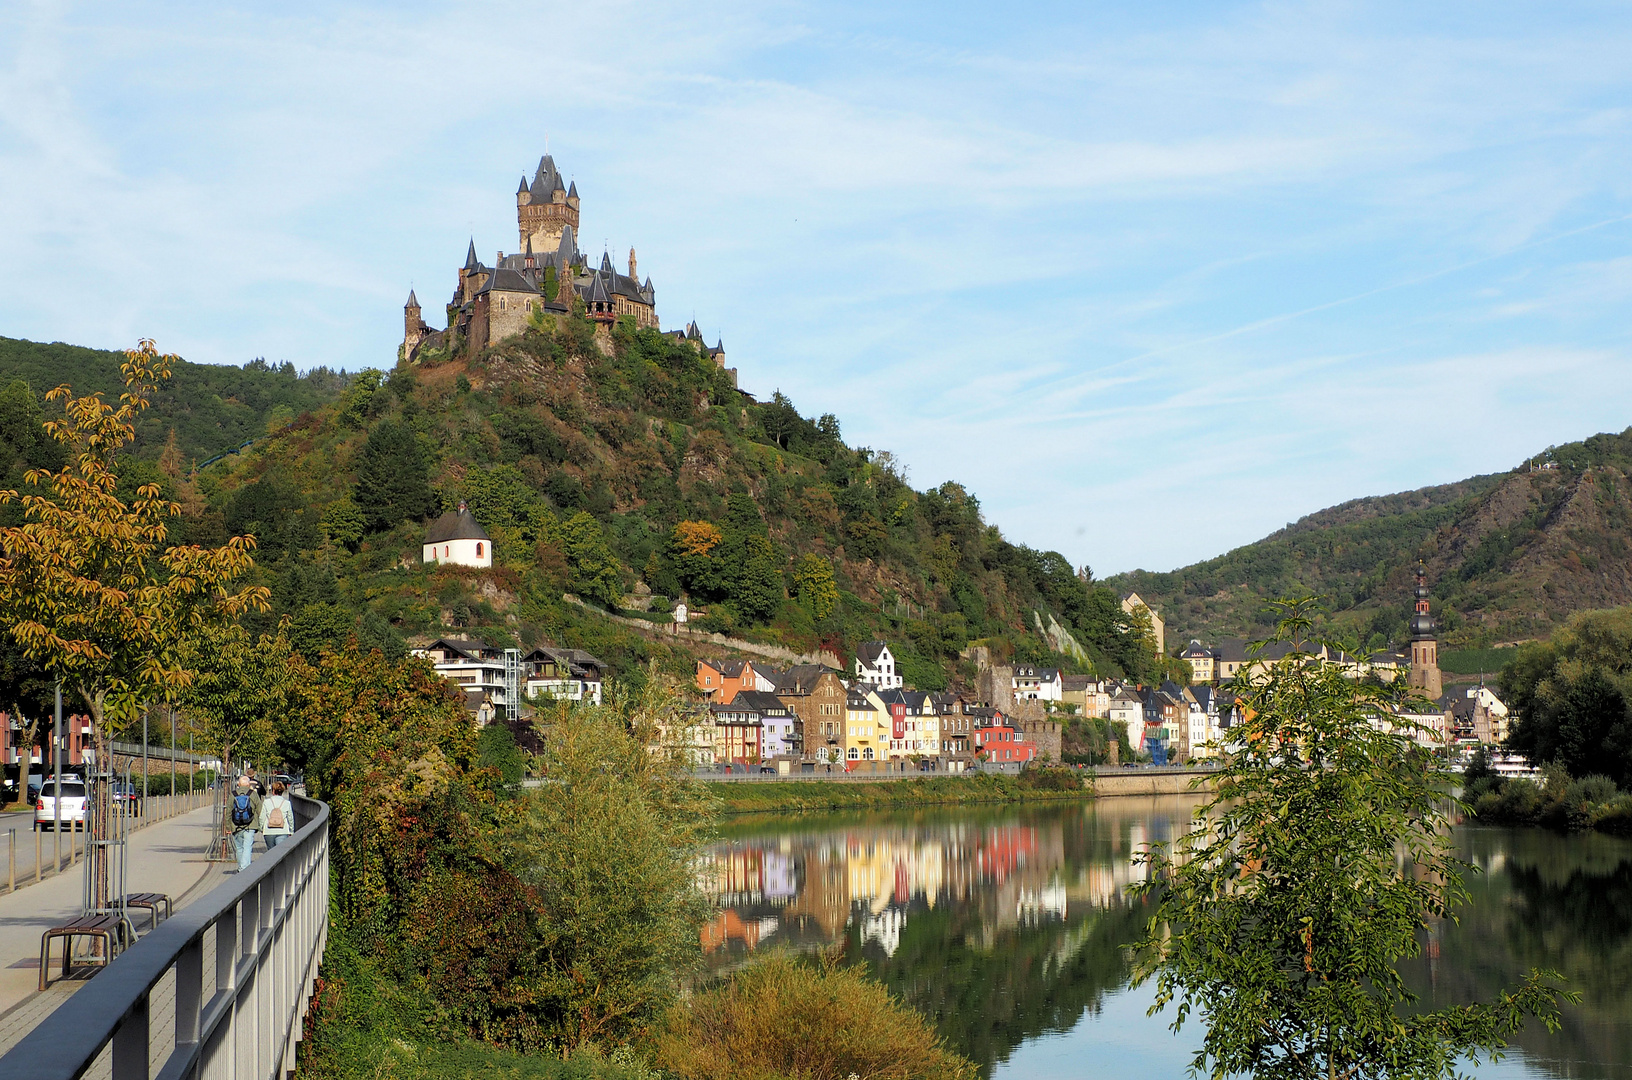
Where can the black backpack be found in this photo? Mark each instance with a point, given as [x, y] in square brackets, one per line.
[242, 814]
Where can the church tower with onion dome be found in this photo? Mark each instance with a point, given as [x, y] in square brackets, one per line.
[1424, 646]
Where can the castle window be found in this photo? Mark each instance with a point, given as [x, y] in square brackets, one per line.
[478, 550]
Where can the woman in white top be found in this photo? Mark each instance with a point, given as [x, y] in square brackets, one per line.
[277, 816]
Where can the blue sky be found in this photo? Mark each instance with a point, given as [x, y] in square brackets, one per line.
[1151, 280]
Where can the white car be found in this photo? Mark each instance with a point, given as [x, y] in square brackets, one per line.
[73, 804]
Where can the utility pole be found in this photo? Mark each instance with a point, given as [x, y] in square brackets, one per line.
[173, 803]
[143, 802]
[56, 769]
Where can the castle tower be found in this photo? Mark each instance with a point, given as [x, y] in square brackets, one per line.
[632, 275]
[545, 207]
[1424, 647]
[413, 327]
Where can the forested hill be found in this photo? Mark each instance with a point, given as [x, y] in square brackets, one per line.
[618, 479]
[210, 407]
[1509, 556]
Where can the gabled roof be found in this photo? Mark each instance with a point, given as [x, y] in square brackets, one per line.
[869, 651]
[762, 702]
[858, 703]
[455, 525]
[1231, 651]
[799, 680]
[470, 648]
[1076, 683]
[1196, 650]
[507, 281]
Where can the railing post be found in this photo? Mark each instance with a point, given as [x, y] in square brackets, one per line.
[189, 991]
[130, 1044]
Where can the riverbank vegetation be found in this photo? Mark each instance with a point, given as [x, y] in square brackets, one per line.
[1572, 696]
[752, 797]
[1285, 913]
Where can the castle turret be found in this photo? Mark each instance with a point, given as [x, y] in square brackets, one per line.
[413, 327]
[547, 208]
[1424, 646]
[632, 275]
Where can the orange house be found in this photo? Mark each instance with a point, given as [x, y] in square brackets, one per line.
[720, 680]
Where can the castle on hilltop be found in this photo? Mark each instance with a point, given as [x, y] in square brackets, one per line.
[548, 275]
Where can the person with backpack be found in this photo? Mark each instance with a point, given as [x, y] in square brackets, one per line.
[277, 818]
[244, 811]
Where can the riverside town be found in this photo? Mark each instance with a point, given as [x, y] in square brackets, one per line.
[1148, 593]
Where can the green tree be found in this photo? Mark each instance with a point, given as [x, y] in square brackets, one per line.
[818, 592]
[242, 688]
[1573, 697]
[344, 523]
[90, 589]
[393, 479]
[1284, 912]
[756, 589]
[596, 574]
[609, 847]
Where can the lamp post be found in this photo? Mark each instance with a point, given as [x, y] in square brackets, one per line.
[56, 771]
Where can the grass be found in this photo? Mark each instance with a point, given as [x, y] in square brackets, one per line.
[402, 1060]
[1475, 661]
[803, 795]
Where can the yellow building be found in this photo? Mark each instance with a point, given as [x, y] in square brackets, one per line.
[866, 730]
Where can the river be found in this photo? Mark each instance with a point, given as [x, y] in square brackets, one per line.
[1006, 926]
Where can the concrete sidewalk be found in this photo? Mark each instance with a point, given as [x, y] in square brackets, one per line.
[167, 856]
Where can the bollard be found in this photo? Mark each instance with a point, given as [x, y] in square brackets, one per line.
[39, 867]
[11, 859]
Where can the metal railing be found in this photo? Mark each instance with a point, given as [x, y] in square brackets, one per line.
[241, 1020]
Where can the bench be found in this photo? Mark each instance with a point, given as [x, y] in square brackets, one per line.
[112, 930]
[152, 901]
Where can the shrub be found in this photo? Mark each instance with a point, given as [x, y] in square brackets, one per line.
[783, 1019]
[1593, 789]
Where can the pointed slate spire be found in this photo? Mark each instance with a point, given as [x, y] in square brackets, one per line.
[413, 301]
[606, 263]
[597, 291]
[471, 262]
[523, 188]
[719, 344]
[527, 259]
[572, 192]
[567, 251]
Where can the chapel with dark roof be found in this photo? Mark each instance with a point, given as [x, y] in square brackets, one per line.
[547, 275]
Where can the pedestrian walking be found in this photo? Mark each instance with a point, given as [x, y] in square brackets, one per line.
[277, 818]
[245, 811]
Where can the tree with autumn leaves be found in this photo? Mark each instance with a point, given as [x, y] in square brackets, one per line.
[90, 589]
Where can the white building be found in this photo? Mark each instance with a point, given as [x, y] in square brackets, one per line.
[875, 666]
[562, 675]
[1127, 710]
[1037, 683]
[456, 537]
[476, 666]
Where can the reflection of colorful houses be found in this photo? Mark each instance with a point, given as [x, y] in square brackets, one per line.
[728, 926]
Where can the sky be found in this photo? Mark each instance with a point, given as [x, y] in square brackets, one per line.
[1150, 280]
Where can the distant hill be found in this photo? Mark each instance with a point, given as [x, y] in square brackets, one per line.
[210, 407]
[1509, 556]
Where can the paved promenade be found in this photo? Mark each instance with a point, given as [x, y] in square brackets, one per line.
[166, 857]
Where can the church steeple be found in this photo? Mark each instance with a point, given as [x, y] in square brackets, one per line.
[1424, 646]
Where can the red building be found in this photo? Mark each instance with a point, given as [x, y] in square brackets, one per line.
[997, 740]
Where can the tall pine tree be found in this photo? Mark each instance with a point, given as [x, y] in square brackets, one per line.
[393, 479]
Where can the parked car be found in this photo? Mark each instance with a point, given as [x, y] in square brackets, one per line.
[73, 805]
[127, 796]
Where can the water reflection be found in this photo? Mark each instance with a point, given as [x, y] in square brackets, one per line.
[1000, 924]
[1006, 926]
